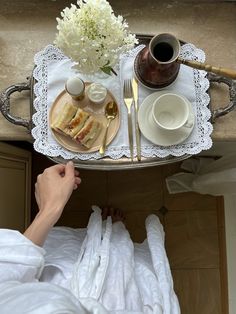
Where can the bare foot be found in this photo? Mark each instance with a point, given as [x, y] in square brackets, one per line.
[117, 215]
[105, 213]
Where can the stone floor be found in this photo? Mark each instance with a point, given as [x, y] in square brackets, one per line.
[193, 224]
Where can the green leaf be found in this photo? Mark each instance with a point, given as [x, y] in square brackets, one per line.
[107, 70]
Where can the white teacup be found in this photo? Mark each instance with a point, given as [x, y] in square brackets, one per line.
[171, 112]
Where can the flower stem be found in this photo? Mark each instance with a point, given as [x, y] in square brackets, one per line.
[113, 71]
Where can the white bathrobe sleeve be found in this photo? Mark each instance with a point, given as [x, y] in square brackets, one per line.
[38, 298]
[20, 259]
[21, 265]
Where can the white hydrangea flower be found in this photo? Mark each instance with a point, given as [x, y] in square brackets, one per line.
[92, 36]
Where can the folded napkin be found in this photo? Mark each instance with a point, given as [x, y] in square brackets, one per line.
[53, 69]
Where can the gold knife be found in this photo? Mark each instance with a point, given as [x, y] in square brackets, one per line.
[137, 132]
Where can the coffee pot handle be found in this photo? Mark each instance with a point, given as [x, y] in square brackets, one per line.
[209, 68]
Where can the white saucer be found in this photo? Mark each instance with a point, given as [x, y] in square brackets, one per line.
[155, 134]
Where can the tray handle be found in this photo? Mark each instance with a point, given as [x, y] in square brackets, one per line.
[213, 78]
[5, 103]
[217, 113]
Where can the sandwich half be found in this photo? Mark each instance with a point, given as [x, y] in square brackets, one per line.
[66, 113]
[76, 124]
[89, 133]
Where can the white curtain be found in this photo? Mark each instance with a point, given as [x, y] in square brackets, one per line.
[206, 176]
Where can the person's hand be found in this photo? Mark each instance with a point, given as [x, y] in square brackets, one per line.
[54, 188]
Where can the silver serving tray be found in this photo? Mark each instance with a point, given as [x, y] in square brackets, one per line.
[108, 163]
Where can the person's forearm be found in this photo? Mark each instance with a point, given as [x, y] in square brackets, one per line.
[38, 230]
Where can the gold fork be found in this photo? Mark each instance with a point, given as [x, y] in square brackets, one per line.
[128, 100]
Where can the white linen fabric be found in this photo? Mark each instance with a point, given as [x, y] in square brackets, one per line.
[94, 270]
[37, 298]
[205, 176]
[53, 69]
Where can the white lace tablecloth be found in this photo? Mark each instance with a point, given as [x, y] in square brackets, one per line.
[53, 69]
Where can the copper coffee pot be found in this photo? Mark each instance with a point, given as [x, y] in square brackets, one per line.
[157, 65]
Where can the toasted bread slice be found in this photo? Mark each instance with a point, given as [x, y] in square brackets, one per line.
[89, 133]
[76, 124]
[66, 113]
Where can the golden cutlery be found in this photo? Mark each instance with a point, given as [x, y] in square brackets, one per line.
[128, 100]
[110, 113]
[137, 132]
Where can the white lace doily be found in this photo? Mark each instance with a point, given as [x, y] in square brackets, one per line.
[53, 69]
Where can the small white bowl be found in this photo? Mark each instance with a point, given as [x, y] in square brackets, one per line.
[96, 93]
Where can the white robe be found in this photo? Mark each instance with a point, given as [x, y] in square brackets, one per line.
[94, 270]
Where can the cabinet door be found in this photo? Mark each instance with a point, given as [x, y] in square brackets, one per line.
[15, 187]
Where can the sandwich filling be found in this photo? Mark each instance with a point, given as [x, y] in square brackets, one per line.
[89, 133]
[78, 124]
